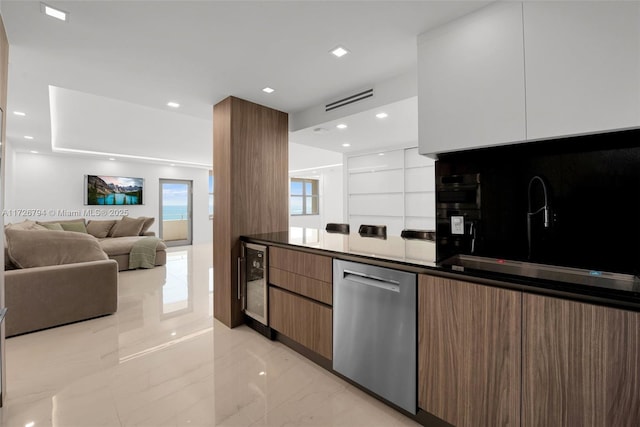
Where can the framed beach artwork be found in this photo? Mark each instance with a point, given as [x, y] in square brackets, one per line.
[113, 190]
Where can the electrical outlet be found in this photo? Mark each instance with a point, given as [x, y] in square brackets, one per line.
[457, 224]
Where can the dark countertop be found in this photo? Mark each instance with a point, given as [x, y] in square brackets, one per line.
[419, 256]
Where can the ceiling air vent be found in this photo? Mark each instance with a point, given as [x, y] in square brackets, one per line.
[349, 100]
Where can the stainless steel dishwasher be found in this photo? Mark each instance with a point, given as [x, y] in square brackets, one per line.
[374, 330]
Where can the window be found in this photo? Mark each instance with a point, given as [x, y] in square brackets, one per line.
[210, 194]
[304, 197]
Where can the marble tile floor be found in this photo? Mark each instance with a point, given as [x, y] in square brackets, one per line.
[162, 360]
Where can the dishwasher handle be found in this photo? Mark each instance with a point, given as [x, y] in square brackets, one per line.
[368, 280]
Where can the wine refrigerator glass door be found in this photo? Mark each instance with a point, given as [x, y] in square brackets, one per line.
[255, 274]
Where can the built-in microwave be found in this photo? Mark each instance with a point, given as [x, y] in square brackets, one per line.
[458, 192]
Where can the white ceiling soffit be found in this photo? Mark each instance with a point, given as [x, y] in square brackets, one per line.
[90, 124]
[199, 52]
[365, 132]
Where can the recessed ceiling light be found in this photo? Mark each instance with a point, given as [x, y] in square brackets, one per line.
[34, 152]
[172, 164]
[341, 126]
[28, 137]
[53, 12]
[19, 113]
[380, 154]
[268, 90]
[173, 104]
[339, 51]
[111, 158]
[382, 115]
[346, 145]
[30, 424]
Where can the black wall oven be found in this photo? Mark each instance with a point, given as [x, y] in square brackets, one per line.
[458, 214]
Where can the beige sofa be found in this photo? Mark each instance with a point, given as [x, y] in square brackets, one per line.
[51, 284]
[44, 297]
[117, 237]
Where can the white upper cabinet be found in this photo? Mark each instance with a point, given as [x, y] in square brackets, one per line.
[582, 67]
[471, 90]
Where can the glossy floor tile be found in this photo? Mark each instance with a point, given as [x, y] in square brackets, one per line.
[162, 360]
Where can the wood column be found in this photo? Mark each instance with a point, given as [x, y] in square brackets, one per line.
[250, 169]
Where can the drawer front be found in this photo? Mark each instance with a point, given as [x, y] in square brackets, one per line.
[311, 288]
[309, 265]
[304, 321]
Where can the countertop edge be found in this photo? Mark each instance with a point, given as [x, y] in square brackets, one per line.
[529, 285]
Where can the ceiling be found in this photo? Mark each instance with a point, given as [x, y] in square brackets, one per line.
[364, 131]
[115, 64]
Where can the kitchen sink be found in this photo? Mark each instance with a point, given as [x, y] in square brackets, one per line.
[610, 280]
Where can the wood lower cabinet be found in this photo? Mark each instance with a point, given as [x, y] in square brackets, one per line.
[306, 274]
[300, 298]
[581, 364]
[301, 319]
[469, 352]
[302, 263]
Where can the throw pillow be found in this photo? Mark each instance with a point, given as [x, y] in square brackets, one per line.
[27, 224]
[148, 222]
[52, 226]
[78, 227]
[100, 229]
[47, 247]
[62, 223]
[128, 227]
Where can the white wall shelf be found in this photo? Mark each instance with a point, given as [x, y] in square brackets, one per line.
[396, 189]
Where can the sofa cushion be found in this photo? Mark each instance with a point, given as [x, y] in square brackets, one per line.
[78, 227]
[47, 247]
[127, 227]
[52, 226]
[100, 229]
[27, 224]
[123, 245]
[62, 221]
[148, 222]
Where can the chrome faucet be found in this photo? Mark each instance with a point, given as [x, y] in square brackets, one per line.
[545, 209]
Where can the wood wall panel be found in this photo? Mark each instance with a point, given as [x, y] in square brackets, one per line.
[302, 320]
[581, 364]
[251, 195]
[309, 265]
[469, 352]
[311, 288]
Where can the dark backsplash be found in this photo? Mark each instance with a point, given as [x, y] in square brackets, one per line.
[593, 187]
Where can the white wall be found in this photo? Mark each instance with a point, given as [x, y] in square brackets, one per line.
[326, 166]
[55, 184]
